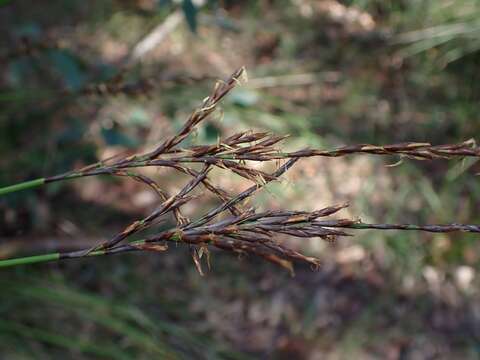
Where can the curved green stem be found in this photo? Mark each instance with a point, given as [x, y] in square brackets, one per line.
[22, 186]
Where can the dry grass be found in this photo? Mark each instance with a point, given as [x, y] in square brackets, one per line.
[244, 231]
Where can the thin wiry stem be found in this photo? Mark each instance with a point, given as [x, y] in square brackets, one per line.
[446, 228]
[227, 158]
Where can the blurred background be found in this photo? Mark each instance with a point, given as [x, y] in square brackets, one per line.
[84, 80]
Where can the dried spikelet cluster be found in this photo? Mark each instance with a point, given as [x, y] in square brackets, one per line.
[243, 230]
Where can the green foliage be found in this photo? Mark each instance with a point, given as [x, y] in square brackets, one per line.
[190, 12]
[450, 28]
[119, 330]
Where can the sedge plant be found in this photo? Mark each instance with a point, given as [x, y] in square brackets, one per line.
[233, 225]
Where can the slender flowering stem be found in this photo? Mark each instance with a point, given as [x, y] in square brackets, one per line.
[225, 157]
[298, 224]
[419, 151]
